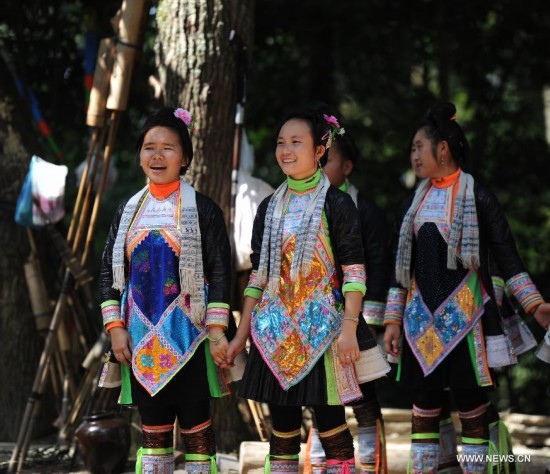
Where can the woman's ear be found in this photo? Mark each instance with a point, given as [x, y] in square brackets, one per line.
[319, 151]
[348, 167]
[443, 151]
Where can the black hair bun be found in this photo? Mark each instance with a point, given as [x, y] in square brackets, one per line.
[442, 114]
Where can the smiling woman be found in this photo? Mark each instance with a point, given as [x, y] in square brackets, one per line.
[303, 299]
[296, 154]
[161, 155]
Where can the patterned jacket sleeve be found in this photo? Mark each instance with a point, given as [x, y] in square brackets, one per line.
[216, 257]
[109, 297]
[375, 245]
[345, 239]
[254, 289]
[495, 234]
[395, 301]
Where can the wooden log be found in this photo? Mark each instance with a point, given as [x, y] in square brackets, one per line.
[129, 32]
[40, 301]
[97, 108]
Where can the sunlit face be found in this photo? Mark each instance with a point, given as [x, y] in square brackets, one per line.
[337, 168]
[423, 159]
[296, 154]
[161, 155]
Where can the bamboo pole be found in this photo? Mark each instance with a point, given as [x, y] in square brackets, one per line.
[96, 114]
[33, 402]
[129, 31]
[83, 179]
[95, 118]
[115, 116]
[88, 190]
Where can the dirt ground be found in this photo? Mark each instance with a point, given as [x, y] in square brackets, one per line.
[44, 459]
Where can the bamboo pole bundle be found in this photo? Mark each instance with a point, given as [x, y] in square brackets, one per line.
[129, 28]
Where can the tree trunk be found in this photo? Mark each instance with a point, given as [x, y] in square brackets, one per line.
[198, 70]
[197, 63]
[21, 344]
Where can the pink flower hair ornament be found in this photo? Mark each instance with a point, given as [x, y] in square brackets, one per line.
[185, 116]
[334, 129]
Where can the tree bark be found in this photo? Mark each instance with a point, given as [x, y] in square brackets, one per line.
[21, 344]
[197, 64]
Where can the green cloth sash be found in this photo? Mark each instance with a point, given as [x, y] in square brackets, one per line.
[126, 386]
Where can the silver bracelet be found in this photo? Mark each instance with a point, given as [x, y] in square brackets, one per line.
[348, 318]
[215, 340]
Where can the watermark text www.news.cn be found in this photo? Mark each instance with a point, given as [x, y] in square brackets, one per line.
[494, 458]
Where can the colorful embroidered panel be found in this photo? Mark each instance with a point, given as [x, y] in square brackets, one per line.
[478, 354]
[436, 208]
[156, 314]
[432, 336]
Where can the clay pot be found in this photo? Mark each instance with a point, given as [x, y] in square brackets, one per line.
[103, 441]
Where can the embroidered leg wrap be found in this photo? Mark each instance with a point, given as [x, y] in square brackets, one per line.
[448, 461]
[317, 457]
[500, 442]
[200, 449]
[284, 449]
[424, 457]
[475, 440]
[371, 437]
[157, 454]
[338, 446]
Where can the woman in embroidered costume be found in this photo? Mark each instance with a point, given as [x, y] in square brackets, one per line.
[342, 158]
[442, 294]
[164, 287]
[307, 261]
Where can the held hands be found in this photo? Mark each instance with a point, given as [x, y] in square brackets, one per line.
[236, 345]
[391, 339]
[121, 344]
[348, 349]
[218, 347]
[542, 315]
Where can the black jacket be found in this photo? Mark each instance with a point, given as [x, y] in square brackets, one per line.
[344, 230]
[216, 253]
[495, 239]
[375, 244]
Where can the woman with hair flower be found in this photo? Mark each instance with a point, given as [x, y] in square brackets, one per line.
[303, 300]
[164, 287]
[442, 294]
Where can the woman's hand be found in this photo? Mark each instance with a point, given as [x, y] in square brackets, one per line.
[121, 344]
[218, 348]
[392, 338]
[236, 346]
[348, 349]
[542, 315]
